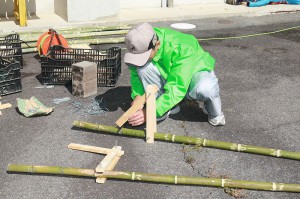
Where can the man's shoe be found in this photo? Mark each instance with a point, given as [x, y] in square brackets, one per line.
[217, 121]
[173, 111]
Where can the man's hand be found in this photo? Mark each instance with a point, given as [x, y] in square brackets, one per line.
[138, 118]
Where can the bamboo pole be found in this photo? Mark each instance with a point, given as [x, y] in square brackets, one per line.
[156, 178]
[29, 50]
[95, 28]
[191, 140]
[51, 170]
[109, 40]
[34, 49]
[82, 35]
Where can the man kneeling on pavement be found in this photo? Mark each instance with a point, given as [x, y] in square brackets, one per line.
[177, 65]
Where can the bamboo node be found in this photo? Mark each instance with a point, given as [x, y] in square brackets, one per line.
[175, 180]
[278, 153]
[133, 176]
[274, 187]
[173, 138]
[223, 183]
[30, 169]
[61, 170]
[240, 147]
[204, 142]
[99, 128]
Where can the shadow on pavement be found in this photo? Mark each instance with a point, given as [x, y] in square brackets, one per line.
[190, 111]
[115, 98]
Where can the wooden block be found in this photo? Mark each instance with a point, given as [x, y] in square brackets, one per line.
[106, 161]
[136, 106]
[4, 106]
[94, 149]
[110, 167]
[151, 113]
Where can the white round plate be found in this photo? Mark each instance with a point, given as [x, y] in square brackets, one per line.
[183, 26]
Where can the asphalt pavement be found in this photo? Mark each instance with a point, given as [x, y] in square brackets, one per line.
[260, 91]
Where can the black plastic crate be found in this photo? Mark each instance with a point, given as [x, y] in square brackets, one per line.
[10, 48]
[10, 77]
[57, 67]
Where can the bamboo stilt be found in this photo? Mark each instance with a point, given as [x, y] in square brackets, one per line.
[156, 178]
[151, 127]
[192, 140]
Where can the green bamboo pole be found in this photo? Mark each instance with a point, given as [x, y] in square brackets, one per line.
[95, 28]
[156, 178]
[29, 50]
[191, 140]
[51, 170]
[82, 35]
[108, 40]
[32, 49]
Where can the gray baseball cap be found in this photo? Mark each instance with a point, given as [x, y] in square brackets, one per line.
[139, 42]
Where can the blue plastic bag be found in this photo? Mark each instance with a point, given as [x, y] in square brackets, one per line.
[294, 2]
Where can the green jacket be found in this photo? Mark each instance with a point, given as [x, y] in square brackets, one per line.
[178, 58]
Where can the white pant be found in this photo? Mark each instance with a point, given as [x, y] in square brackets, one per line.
[203, 87]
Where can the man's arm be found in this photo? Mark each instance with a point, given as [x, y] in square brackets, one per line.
[137, 88]
[178, 80]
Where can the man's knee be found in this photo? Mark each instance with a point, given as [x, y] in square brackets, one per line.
[205, 90]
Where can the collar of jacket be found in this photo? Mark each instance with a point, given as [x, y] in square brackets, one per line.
[160, 50]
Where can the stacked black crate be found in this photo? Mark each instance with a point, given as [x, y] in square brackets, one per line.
[11, 62]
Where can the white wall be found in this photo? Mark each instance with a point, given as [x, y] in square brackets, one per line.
[75, 10]
[60, 8]
[157, 3]
[44, 6]
[47, 6]
[140, 3]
